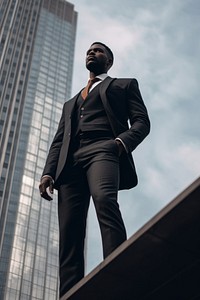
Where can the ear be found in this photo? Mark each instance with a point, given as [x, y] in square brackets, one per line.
[109, 63]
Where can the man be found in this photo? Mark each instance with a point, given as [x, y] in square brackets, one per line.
[91, 156]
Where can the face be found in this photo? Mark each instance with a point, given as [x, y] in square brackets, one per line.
[98, 59]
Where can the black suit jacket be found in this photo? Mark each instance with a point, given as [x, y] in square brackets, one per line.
[123, 103]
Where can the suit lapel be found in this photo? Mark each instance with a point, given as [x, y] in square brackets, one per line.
[71, 104]
[103, 87]
[110, 114]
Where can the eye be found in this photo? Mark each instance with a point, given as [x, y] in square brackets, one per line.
[99, 50]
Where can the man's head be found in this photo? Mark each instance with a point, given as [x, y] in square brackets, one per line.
[99, 58]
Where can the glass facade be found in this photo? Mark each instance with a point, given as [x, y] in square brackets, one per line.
[36, 53]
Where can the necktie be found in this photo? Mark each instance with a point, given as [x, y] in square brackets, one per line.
[85, 91]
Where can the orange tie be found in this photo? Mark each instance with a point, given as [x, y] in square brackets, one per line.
[85, 91]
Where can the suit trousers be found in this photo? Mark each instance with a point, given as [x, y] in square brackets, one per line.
[92, 170]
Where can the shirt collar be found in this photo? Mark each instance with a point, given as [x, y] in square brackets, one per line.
[102, 76]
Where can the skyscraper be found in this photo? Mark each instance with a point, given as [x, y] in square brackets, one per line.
[37, 39]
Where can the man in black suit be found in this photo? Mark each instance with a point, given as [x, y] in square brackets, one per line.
[91, 156]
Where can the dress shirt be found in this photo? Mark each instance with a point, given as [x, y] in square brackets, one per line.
[101, 77]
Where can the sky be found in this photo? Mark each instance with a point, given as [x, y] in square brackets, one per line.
[157, 42]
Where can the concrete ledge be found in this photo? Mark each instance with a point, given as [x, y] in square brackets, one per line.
[160, 261]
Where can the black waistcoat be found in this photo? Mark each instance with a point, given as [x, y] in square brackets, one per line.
[89, 114]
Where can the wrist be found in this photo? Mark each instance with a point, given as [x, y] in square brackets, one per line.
[47, 176]
[119, 140]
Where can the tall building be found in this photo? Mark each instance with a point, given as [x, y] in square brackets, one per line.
[37, 39]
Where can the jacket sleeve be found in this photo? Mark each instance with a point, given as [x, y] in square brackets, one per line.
[138, 117]
[54, 151]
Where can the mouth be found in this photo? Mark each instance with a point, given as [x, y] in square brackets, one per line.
[90, 58]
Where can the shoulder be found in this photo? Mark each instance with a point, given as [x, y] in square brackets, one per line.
[69, 103]
[124, 82]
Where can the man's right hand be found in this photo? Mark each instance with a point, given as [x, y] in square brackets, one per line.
[46, 182]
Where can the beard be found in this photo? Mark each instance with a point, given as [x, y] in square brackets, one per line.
[96, 68]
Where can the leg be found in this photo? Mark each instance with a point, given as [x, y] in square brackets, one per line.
[73, 203]
[103, 179]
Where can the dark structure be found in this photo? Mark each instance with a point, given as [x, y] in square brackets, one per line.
[159, 262]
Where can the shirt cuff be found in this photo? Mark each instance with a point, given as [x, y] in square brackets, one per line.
[118, 139]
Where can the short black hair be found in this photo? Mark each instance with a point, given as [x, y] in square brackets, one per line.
[107, 48]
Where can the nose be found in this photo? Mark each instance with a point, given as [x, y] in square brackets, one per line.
[92, 52]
